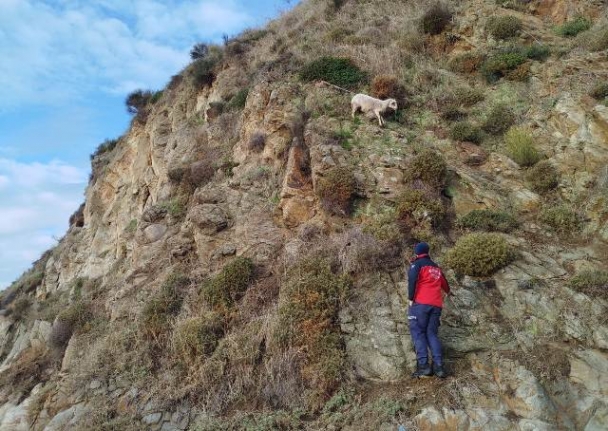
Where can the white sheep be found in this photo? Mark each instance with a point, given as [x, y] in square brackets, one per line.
[368, 104]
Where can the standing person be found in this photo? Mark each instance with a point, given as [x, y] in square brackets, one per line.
[425, 283]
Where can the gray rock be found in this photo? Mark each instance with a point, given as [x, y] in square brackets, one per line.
[209, 218]
[154, 232]
[152, 418]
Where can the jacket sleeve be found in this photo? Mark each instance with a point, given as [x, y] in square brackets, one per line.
[412, 279]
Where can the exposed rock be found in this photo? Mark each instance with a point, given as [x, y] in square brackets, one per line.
[154, 232]
[209, 218]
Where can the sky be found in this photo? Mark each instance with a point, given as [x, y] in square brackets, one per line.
[67, 67]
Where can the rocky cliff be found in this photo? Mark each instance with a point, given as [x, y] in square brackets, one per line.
[239, 259]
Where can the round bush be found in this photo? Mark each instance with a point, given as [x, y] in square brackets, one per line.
[436, 18]
[501, 64]
[429, 167]
[504, 27]
[499, 119]
[338, 71]
[542, 177]
[479, 254]
[464, 131]
[336, 190]
[414, 207]
[561, 219]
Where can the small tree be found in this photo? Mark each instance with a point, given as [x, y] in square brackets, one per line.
[138, 100]
[200, 50]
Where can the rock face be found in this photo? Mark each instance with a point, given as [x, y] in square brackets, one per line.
[200, 184]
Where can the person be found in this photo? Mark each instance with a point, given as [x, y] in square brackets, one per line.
[425, 284]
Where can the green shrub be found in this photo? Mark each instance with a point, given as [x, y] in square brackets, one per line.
[204, 68]
[452, 112]
[504, 27]
[105, 147]
[479, 254]
[542, 177]
[197, 337]
[336, 190]
[229, 285]
[199, 50]
[501, 64]
[599, 91]
[593, 283]
[239, 99]
[561, 219]
[488, 220]
[499, 119]
[520, 146]
[429, 167]
[465, 131]
[467, 96]
[175, 208]
[415, 207]
[536, 52]
[158, 313]
[338, 71]
[436, 18]
[574, 27]
[138, 100]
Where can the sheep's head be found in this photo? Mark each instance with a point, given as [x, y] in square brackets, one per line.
[392, 103]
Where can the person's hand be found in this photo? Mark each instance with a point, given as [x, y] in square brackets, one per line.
[411, 303]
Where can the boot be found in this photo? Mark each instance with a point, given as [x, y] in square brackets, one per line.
[439, 371]
[423, 371]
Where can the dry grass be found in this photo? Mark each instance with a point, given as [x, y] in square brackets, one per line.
[31, 367]
[336, 190]
[360, 252]
[307, 319]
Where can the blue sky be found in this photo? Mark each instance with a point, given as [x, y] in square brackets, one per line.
[67, 66]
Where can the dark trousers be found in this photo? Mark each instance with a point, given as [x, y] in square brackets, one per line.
[424, 324]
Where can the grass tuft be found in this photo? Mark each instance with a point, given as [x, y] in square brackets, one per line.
[593, 283]
[229, 285]
[520, 146]
[573, 27]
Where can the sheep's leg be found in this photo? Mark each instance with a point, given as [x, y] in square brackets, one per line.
[380, 122]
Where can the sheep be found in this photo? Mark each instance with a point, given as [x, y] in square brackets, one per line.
[368, 104]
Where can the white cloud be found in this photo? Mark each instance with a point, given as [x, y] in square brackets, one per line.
[62, 51]
[37, 200]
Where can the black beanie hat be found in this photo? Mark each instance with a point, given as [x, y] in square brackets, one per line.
[421, 248]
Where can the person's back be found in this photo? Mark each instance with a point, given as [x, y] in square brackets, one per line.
[425, 285]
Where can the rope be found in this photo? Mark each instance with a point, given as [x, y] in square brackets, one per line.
[336, 86]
